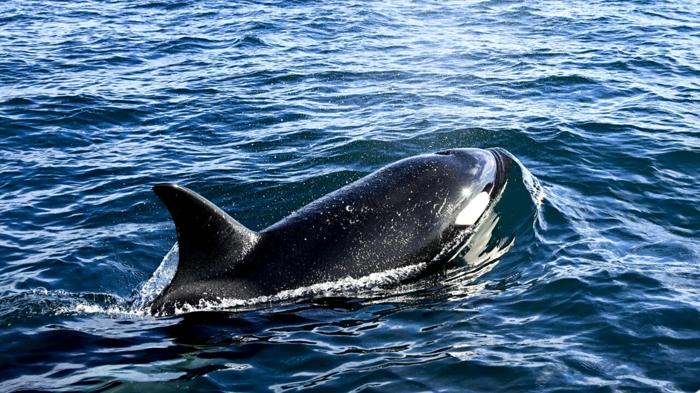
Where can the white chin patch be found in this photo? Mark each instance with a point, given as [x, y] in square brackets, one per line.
[474, 209]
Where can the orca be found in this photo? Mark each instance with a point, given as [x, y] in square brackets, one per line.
[419, 209]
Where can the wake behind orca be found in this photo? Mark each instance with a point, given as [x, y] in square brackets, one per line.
[421, 209]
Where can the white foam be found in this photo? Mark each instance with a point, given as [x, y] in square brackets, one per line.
[87, 308]
[346, 286]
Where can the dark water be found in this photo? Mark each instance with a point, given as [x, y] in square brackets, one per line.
[263, 107]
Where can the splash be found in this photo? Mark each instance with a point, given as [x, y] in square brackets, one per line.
[135, 306]
[375, 283]
[159, 280]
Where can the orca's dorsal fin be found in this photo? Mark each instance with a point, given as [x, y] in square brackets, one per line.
[210, 241]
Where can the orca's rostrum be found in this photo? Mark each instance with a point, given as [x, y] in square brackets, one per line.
[419, 209]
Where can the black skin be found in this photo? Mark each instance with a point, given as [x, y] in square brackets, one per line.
[400, 215]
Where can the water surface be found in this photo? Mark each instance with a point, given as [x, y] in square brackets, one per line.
[265, 106]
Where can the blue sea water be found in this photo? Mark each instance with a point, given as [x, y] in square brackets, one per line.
[586, 276]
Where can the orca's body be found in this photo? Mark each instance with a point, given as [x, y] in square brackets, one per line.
[420, 209]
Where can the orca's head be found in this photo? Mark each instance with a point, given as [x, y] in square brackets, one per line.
[477, 178]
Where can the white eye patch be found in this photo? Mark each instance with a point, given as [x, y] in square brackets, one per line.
[473, 210]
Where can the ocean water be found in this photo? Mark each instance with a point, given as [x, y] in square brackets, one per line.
[585, 277]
